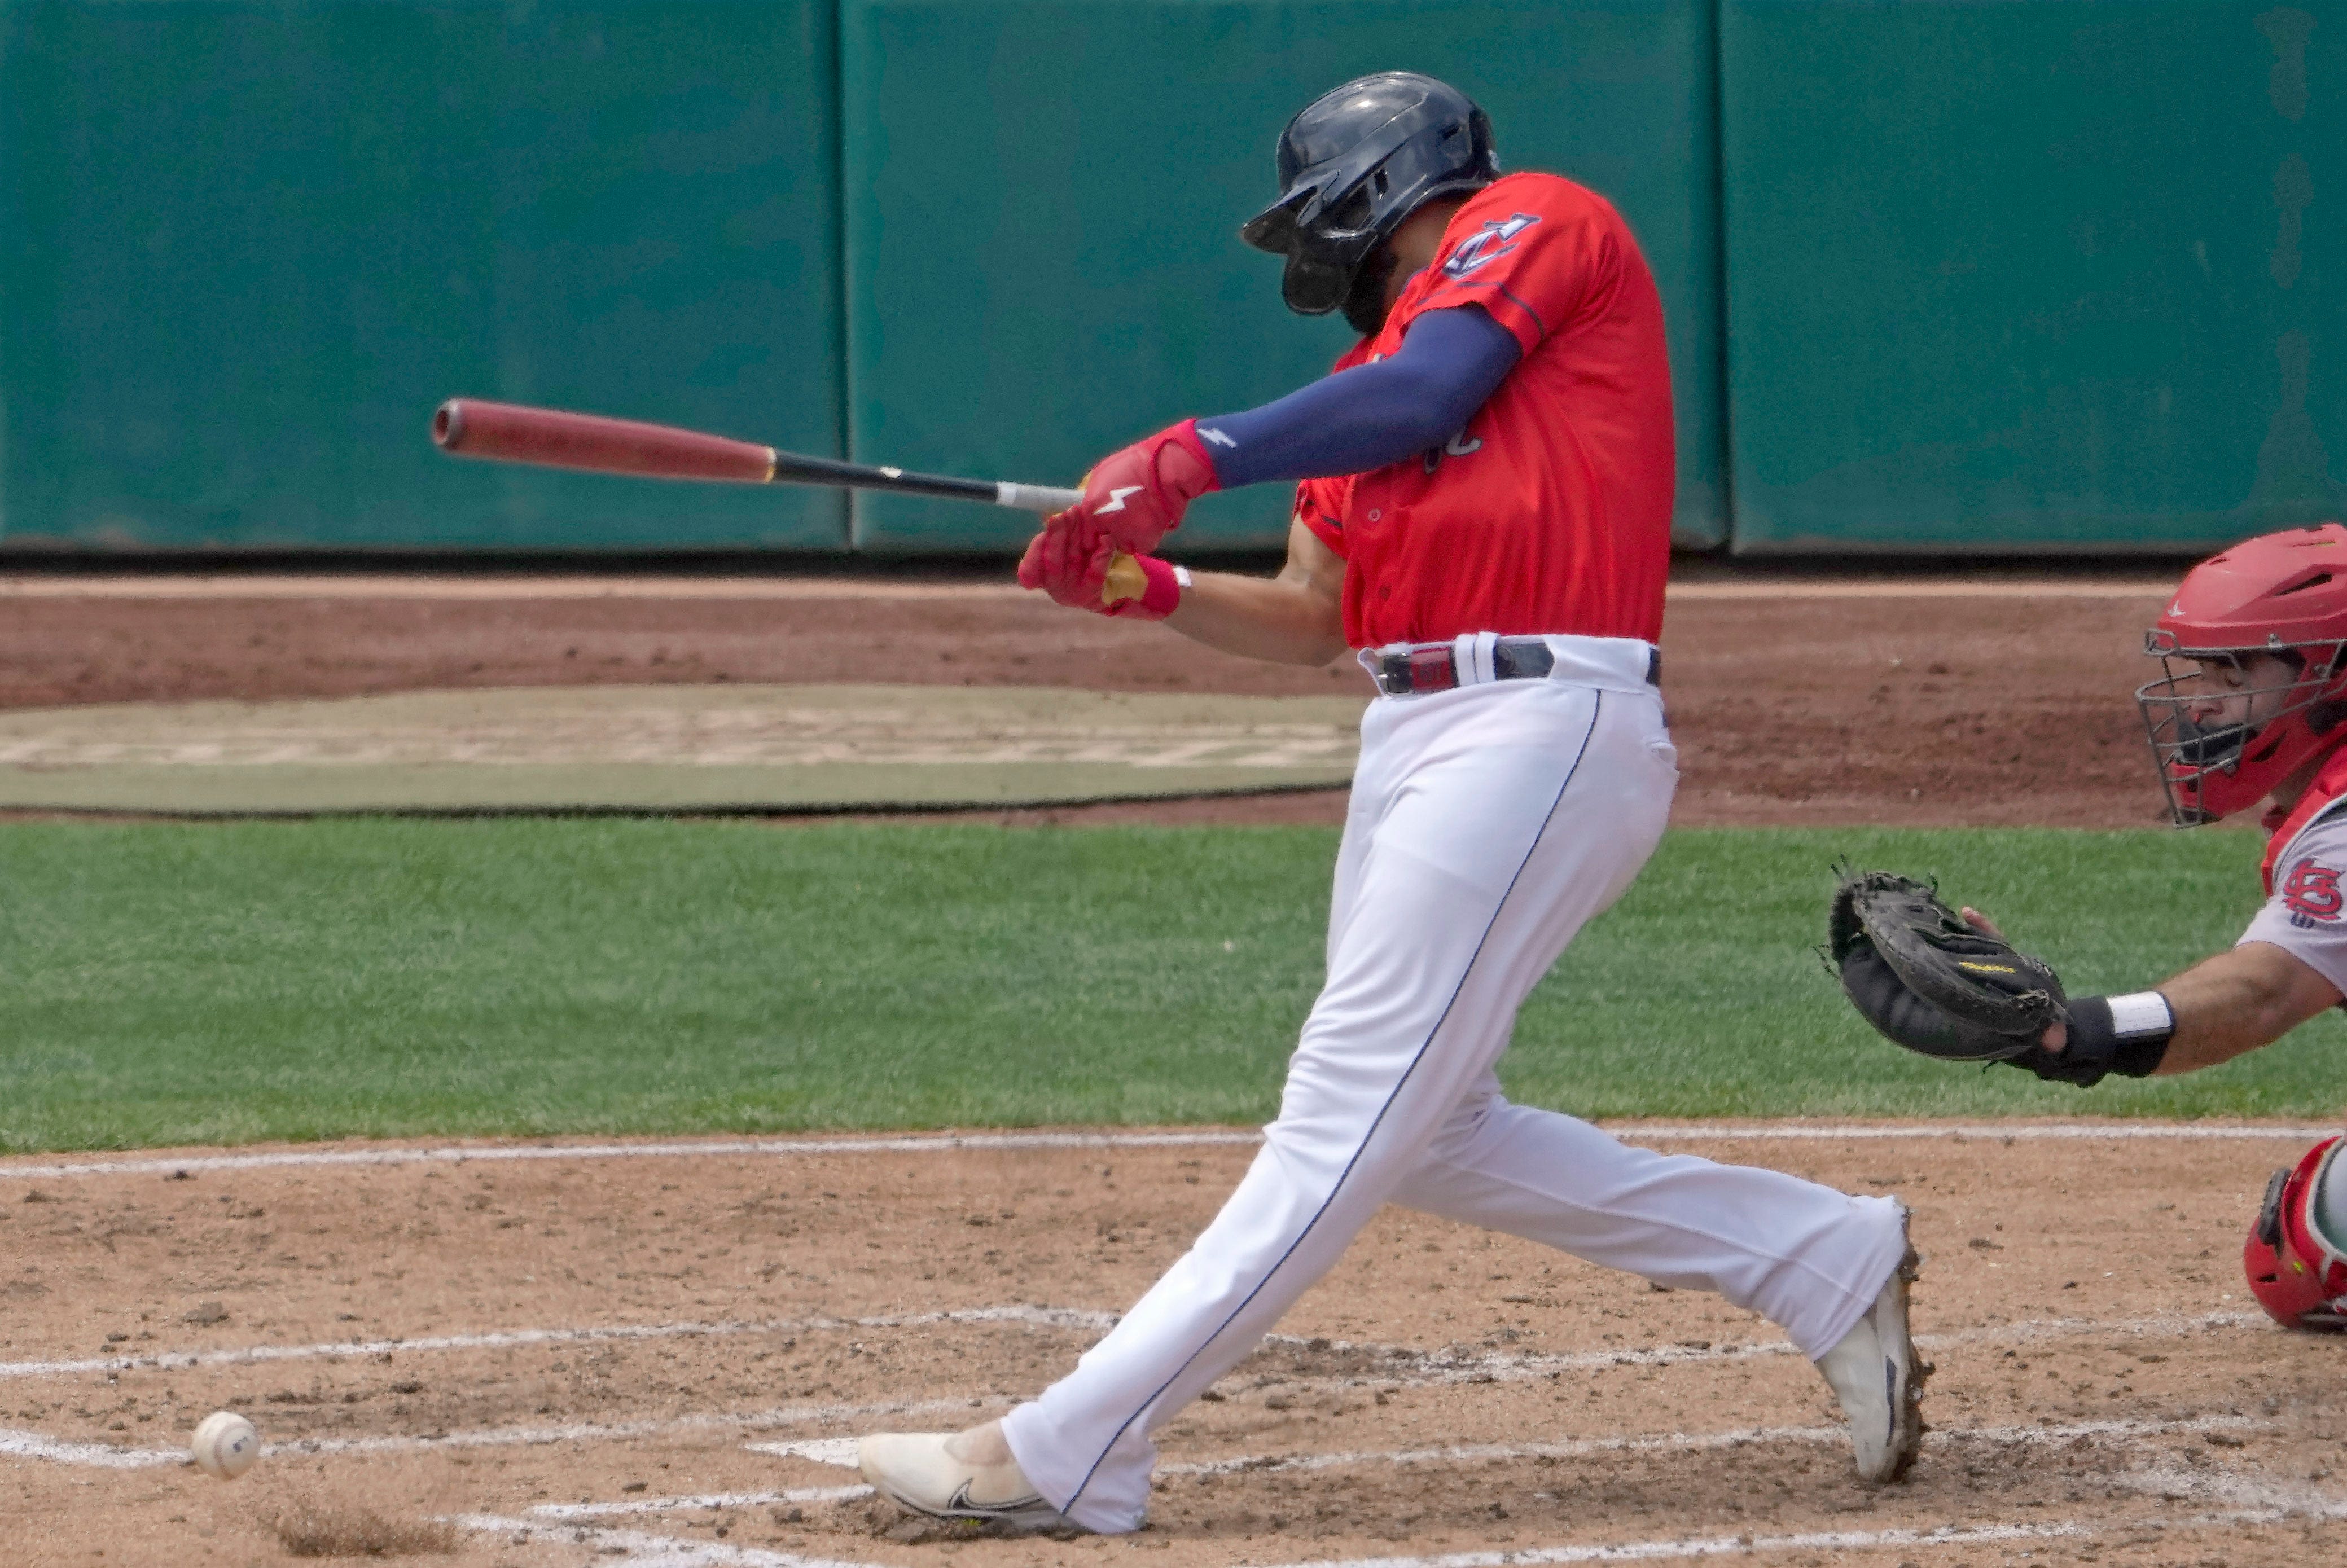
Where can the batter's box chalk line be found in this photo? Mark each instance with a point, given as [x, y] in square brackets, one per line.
[841, 1451]
[1434, 1372]
[24, 1444]
[698, 1149]
[736, 1148]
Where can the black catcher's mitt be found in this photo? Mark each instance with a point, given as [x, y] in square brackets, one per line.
[1930, 982]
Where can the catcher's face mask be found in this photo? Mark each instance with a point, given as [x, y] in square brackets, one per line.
[2254, 689]
[2228, 725]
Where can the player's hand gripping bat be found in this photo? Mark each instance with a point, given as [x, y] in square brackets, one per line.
[552, 438]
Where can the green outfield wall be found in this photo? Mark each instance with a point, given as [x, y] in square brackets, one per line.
[2034, 275]
[1941, 274]
[246, 247]
[1042, 203]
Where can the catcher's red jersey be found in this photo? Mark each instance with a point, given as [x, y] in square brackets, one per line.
[1551, 511]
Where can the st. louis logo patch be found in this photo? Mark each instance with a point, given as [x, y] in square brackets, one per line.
[1496, 238]
[2313, 894]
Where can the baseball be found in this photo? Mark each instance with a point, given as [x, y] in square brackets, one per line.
[225, 1445]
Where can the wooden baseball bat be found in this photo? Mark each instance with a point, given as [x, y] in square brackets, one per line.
[553, 438]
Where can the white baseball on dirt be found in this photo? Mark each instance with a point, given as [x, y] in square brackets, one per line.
[225, 1445]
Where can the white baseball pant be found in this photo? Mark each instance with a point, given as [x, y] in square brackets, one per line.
[1487, 825]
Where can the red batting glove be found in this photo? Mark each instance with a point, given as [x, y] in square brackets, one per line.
[1137, 494]
[1069, 560]
[1079, 566]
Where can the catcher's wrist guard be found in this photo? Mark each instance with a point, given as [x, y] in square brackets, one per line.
[2127, 1035]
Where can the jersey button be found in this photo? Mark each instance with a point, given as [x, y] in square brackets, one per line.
[1386, 592]
[1375, 515]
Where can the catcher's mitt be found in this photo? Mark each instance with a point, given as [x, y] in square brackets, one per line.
[1930, 982]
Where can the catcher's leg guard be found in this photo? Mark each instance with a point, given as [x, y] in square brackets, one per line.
[2296, 1272]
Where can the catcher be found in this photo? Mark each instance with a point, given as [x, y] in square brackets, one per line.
[2251, 707]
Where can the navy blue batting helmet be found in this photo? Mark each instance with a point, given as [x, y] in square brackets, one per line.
[1352, 166]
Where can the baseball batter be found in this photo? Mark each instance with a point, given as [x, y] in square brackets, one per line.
[1483, 512]
[2251, 710]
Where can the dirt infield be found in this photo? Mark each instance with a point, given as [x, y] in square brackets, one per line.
[1923, 701]
[651, 1354]
[521, 1355]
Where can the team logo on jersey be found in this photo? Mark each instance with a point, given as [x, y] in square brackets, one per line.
[2313, 894]
[1496, 239]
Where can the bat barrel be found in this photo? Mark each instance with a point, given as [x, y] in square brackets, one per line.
[557, 439]
[511, 433]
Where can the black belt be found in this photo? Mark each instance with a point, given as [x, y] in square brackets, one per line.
[1435, 667]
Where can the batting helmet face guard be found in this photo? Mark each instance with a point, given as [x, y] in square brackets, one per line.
[2297, 1277]
[1352, 166]
[2255, 684]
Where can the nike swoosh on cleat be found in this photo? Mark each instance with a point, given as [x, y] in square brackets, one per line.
[960, 1503]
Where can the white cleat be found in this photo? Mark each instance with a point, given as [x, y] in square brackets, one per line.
[1879, 1378]
[915, 1471]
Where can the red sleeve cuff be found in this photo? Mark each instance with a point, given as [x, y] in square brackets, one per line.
[1326, 528]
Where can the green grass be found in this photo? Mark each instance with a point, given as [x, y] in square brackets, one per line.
[225, 983]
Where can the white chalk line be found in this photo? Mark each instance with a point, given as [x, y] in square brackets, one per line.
[181, 1360]
[1630, 1133]
[844, 1454]
[643, 1547]
[711, 1502]
[18, 1443]
[1430, 1373]
[28, 1444]
[460, 1154]
[821, 1450]
[841, 1451]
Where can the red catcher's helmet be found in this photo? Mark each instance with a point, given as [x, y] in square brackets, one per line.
[2299, 1278]
[2283, 594]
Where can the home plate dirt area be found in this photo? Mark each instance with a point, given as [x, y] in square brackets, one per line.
[658, 1353]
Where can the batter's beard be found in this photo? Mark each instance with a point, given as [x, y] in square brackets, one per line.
[1365, 305]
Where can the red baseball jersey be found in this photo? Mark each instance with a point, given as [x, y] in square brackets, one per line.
[1551, 511]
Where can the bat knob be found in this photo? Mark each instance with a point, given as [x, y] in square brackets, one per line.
[448, 425]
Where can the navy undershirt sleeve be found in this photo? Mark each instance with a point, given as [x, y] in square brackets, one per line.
[1372, 415]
